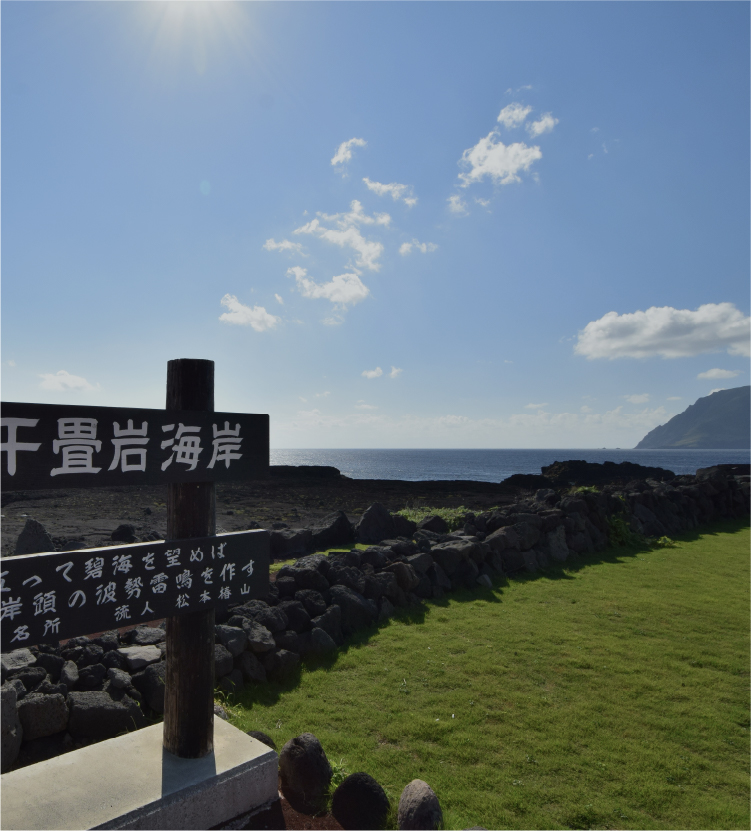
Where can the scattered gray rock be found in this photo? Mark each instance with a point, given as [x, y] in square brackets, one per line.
[262, 737]
[223, 662]
[331, 531]
[52, 663]
[252, 669]
[357, 612]
[271, 617]
[30, 676]
[124, 533]
[260, 639]
[17, 659]
[119, 679]
[375, 525]
[150, 683]
[434, 523]
[42, 715]
[12, 731]
[360, 802]
[321, 643]
[146, 636]
[331, 623]
[304, 773]
[221, 712]
[92, 677]
[95, 716]
[297, 615]
[34, 539]
[280, 664]
[419, 808]
[233, 638]
[69, 674]
[314, 601]
[137, 657]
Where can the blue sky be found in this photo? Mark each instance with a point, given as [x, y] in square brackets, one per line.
[389, 224]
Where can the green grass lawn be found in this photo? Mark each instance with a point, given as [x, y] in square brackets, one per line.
[610, 693]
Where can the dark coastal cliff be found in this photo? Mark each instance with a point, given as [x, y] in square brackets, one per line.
[721, 420]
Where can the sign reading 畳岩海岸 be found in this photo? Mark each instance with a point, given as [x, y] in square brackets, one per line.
[65, 446]
[49, 597]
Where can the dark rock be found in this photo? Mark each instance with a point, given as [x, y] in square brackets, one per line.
[502, 538]
[419, 808]
[150, 682]
[92, 654]
[286, 587]
[52, 663]
[297, 616]
[146, 636]
[448, 555]
[289, 542]
[404, 527]
[280, 665]
[92, 677]
[527, 534]
[438, 577]
[95, 716]
[119, 679]
[108, 641]
[360, 802]
[357, 612]
[321, 643]
[30, 676]
[263, 738]
[69, 674]
[251, 668]
[15, 660]
[420, 562]
[124, 533]
[223, 663]
[113, 658]
[137, 657]
[48, 747]
[271, 617]
[424, 588]
[375, 556]
[406, 576]
[232, 682]
[18, 686]
[233, 638]
[386, 610]
[48, 688]
[331, 623]
[305, 577]
[220, 712]
[375, 525]
[260, 640]
[42, 715]
[304, 773]
[72, 653]
[434, 523]
[579, 472]
[314, 602]
[289, 640]
[11, 729]
[34, 539]
[333, 530]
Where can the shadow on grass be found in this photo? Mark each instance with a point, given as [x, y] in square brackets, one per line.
[269, 693]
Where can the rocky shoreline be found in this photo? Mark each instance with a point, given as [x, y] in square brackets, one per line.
[57, 697]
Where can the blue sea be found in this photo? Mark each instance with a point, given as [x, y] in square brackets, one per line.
[491, 465]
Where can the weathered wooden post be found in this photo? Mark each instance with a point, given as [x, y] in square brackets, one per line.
[191, 512]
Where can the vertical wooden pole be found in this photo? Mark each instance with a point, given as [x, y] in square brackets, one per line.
[191, 512]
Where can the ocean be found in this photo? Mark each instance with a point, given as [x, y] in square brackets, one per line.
[491, 465]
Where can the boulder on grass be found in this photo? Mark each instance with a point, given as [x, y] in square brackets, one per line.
[375, 525]
[434, 523]
[260, 736]
[304, 773]
[419, 808]
[357, 612]
[331, 531]
[290, 542]
[360, 802]
[280, 664]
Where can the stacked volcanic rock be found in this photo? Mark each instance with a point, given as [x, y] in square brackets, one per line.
[55, 698]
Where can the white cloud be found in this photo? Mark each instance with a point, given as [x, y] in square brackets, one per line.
[255, 316]
[535, 406]
[342, 290]
[637, 399]
[666, 332]
[63, 381]
[348, 234]
[365, 407]
[284, 245]
[513, 115]
[483, 202]
[373, 373]
[719, 389]
[333, 320]
[279, 299]
[456, 206]
[716, 374]
[323, 394]
[595, 130]
[394, 190]
[585, 408]
[395, 373]
[425, 247]
[11, 362]
[501, 162]
[544, 125]
[675, 398]
[344, 152]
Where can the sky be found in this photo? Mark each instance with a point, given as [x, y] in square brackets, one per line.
[406, 224]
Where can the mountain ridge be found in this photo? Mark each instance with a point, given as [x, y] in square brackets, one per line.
[719, 421]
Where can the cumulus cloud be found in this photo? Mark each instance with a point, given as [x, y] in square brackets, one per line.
[424, 247]
[342, 290]
[637, 399]
[279, 299]
[500, 162]
[344, 152]
[347, 234]
[513, 115]
[535, 406]
[284, 245]
[483, 202]
[366, 407]
[395, 191]
[395, 373]
[675, 398]
[323, 394]
[544, 125]
[63, 381]
[372, 373]
[666, 332]
[255, 316]
[716, 374]
[456, 206]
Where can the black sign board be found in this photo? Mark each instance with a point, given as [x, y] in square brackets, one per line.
[71, 446]
[49, 597]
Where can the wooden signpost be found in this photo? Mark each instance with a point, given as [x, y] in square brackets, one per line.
[46, 597]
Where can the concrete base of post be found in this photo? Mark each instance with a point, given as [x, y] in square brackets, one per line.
[132, 782]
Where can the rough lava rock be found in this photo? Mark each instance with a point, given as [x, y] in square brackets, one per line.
[419, 808]
[376, 524]
[360, 803]
[34, 539]
[12, 731]
[304, 773]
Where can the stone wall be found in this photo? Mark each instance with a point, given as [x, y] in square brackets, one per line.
[56, 698]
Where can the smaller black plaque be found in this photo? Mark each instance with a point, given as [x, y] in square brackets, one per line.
[50, 597]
